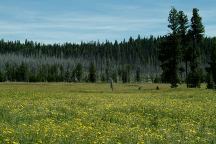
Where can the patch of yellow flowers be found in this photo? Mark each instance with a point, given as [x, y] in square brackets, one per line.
[46, 114]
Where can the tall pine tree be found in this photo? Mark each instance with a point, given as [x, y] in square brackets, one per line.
[196, 33]
[183, 33]
[170, 51]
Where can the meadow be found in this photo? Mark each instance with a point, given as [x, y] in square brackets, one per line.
[92, 113]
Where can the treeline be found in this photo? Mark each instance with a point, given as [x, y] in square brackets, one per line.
[126, 61]
[140, 50]
[166, 59]
[137, 61]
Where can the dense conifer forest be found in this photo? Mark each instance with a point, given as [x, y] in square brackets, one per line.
[59, 62]
[135, 60]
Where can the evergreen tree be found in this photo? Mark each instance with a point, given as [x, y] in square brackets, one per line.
[196, 33]
[183, 33]
[126, 73]
[33, 76]
[173, 21]
[124, 76]
[42, 73]
[170, 51]
[22, 73]
[92, 73]
[138, 77]
[10, 69]
[79, 71]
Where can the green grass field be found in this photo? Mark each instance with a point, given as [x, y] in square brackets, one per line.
[92, 113]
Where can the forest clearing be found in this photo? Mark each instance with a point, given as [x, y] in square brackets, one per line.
[92, 113]
[107, 72]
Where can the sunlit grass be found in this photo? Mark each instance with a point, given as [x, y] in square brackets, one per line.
[92, 113]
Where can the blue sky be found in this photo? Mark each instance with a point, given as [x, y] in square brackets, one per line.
[58, 21]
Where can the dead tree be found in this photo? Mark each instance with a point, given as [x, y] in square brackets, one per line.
[111, 84]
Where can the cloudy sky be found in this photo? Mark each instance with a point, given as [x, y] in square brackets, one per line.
[58, 21]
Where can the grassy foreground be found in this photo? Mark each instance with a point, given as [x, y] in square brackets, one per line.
[91, 113]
